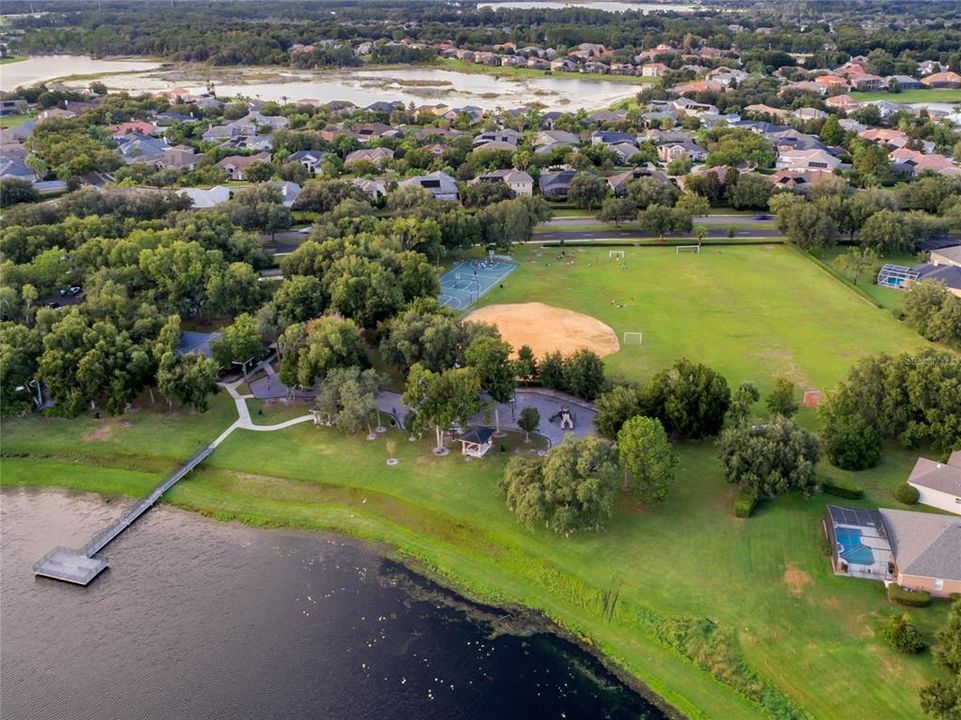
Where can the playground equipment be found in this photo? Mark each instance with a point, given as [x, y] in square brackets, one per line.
[566, 418]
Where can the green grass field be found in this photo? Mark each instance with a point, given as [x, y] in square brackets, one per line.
[9, 121]
[942, 95]
[751, 312]
[794, 630]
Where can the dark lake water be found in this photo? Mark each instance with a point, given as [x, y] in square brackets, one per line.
[197, 619]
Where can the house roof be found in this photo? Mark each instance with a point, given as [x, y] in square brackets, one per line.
[951, 253]
[950, 275]
[944, 477]
[195, 342]
[925, 544]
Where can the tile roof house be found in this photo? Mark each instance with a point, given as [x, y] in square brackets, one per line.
[670, 151]
[236, 165]
[942, 80]
[939, 484]
[374, 187]
[842, 102]
[912, 162]
[439, 184]
[654, 70]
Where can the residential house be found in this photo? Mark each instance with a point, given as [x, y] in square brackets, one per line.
[236, 165]
[554, 137]
[698, 86]
[942, 80]
[606, 117]
[815, 159]
[805, 114]
[203, 198]
[623, 69]
[728, 77]
[912, 162]
[14, 169]
[13, 106]
[555, 184]
[905, 82]
[917, 551]
[832, 82]
[773, 112]
[867, 82]
[373, 187]
[310, 159]
[505, 136]
[251, 124]
[370, 131]
[513, 61]
[517, 180]
[378, 156]
[178, 157]
[439, 184]
[139, 127]
[804, 86]
[134, 147]
[654, 70]
[619, 181]
[609, 137]
[288, 191]
[587, 51]
[593, 67]
[249, 142]
[797, 180]
[665, 136]
[939, 484]
[673, 150]
[216, 133]
[689, 107]
[842, 102]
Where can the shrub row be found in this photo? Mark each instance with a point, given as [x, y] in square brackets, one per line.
[911, 598]
[842, 489]
[744, 504]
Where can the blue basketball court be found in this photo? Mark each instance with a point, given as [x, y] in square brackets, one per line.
[463, 284]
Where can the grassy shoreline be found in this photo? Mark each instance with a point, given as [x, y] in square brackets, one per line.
[525, 72]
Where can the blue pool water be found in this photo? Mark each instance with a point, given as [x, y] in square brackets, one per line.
[851, 549]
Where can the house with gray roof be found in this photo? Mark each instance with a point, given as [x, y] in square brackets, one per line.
[16, 169]
[439, 184]
[917, 551]
[554, 185]
[310, 159]
[938, 484]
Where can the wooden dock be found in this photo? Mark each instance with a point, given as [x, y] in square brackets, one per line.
[80, 567]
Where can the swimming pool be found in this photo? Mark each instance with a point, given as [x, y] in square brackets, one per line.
[850, 548]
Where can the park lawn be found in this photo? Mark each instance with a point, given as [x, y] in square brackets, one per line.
[271, 412]
[154, 440]
[940, 95]
[752, 313]
[803, 631]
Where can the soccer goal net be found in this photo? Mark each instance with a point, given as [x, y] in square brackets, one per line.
[615, 255]
[632, 338]
[687, 248]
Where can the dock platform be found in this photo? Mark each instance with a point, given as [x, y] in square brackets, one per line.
[70, 566]
[80, 567]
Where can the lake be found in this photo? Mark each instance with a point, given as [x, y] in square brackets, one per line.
[198, 619]
[42, 68]
[418, 85]
[606, 5]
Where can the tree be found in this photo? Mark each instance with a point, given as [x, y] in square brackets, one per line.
[584, 374]
[552, 371]
[887, 231]
[647, 191]
[744, 396]
[491, 358]
[902, 635]
[298, 299]
[614, 408]
[750, 191]
[617, 211]
[850, 444]
[481, 194]
[872, 161]
[189, 378]
[259, 172]
[572, 490]
[805, 225]
[832, 133]
[587, 191]
[647, 458]
[349, 395]
[439, 400]
[331, 342]
[781, 401]
[942, 698]
[239, 343]
[234, 290]
[931, 308]
[657, 219]
[681, 165]
[525, 366]
[689, 399]
[13, 191]
[856, 261]
[693, 205]
[770, 459]
[529, 421]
